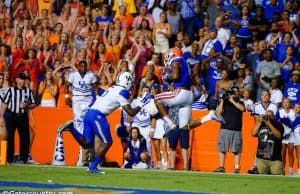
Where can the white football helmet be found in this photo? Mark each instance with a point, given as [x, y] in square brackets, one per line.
[125, 80]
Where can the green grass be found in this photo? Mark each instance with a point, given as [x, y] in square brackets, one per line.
[152, 179]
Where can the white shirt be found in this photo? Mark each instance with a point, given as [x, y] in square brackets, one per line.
[82, 86]
[276, 96]
[223, 36]
[113, 98]
[260, 110]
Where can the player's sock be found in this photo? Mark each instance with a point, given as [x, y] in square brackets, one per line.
[206, 118]
[95, 163]
[65, 126]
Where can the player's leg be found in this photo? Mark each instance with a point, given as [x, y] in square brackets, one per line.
[184, 144]
[173, 140]
[102, 130]
[212, 115]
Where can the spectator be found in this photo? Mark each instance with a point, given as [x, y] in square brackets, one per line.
[295, 127]
[243, 32]
[156, 7]
[128, 4]
[287, 66]
[125, 18]
[136, 155]
[259, 110]
[214, 9]
[161, 33]
[48, 90]
[285, 116]
[143, 15]
[104, 19]
[189, 19]
[292, 89]
[223, 31]
[193, 58]
[271, 8]
[276, 93]
[268, 155]
[17, 101]
[174, 19]
[266, 70]
[200, 93]
[212, 42]
[248, 102]
[259, 23]
[230, 137]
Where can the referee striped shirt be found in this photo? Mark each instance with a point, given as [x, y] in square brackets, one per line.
[15, 96]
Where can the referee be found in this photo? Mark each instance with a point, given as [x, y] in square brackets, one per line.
[16, 103]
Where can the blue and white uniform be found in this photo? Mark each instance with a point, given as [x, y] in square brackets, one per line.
[286, 119]
[82, 88]
[95, 122]
[182, 96]
[295, 125]
[142, 120]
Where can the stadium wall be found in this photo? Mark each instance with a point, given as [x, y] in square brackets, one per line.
[203, 141]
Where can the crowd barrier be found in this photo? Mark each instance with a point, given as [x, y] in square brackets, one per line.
[203, 150]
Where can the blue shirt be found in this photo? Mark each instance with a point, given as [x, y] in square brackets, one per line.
[292, 91]
[184, 75]
[190, 60]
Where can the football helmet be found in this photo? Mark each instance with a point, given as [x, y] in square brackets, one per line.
[174, 53]
[125, 80]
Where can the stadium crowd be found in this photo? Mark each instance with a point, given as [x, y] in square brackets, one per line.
[252, 45]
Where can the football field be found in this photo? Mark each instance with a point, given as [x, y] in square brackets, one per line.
[70, 180]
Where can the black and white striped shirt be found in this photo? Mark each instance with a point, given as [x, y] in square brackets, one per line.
[15, 96]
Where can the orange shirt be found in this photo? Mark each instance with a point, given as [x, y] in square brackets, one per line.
[1, 66]
[53, 38]
[17, 55]
[127, 20]
[47, 94]
[115, 52]
[157, 71]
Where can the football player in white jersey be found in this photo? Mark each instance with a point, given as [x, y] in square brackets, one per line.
[95, 122]
[144, 121]
[82, 83]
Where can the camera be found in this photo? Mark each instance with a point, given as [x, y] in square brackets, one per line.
[266, 117]
[225, 93]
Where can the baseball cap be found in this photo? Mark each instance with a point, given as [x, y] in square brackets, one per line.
[21, 76]
[296, 72]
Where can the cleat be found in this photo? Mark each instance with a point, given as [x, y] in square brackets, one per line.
[30, 160]
[65, 127]
[220, 170]
[236, 171]
[215, 116]
[95, 171]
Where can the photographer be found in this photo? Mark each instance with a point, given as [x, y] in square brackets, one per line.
[268, 154]
[230, 136]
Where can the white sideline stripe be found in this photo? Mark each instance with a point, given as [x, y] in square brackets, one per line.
[155, 170]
